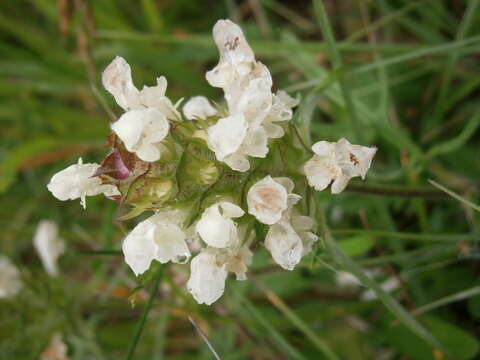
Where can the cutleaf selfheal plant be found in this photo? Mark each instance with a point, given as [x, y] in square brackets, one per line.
[216, 179]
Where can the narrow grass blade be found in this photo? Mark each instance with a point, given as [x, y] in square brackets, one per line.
[204, 338]
[462, 295]
[276, 335]
[455, 195]
[336, 60]
[146, 310]
[276, 301]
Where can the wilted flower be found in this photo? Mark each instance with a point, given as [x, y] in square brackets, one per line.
[56, 349]
[161, 237]
[337, 162]
[10, 280]
[198, 108]
[78, 181]
[48, 245]
[216, 226]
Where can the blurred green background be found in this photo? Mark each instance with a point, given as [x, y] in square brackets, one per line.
[401, 75]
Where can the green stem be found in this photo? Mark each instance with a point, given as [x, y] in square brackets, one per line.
[395, 191]
[146, 310]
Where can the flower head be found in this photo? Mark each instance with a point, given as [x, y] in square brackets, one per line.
[337, 162]
[48, 245]
[78, 181]
[10, 280]
[161, 237]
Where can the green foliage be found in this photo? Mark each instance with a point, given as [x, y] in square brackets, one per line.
[400, 75]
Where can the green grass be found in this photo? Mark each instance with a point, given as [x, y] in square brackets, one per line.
[401, 75]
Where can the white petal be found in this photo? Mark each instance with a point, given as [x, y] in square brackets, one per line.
[154, 97]
[207, 278]
[226, 136]
[216, 228]
[267, 199]
[230, 210]
[253, 96]
[140, 129]
[237, 162]
[231, 42]
[171, 244]
[324, 149]
[198, 107]
[308, 240]
[48, 245]
[273, 131]
[302, 223]
[10, 279]
[239, 261]
[117, 80]
[255, 143]
[286, 182]
[284, 244]
[340, 183]
[320, 172]
[139, 247]
[355, 160]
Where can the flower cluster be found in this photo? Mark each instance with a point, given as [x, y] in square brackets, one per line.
[211, 177]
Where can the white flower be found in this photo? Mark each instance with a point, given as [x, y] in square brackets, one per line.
[216, 226]
[288, 238]
[141, 131]
[337, 162]
[48, 245]
[198, 107]
[161, 237]
[210, 267]
[284, 244]
[56, 349]
[267, 200]
[117, 80]
[10, 280]
[207, 277]
[77, 182]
